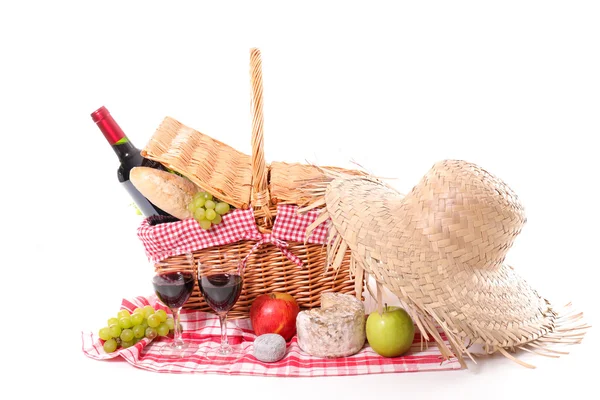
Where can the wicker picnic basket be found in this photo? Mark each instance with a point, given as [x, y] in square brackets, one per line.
[248, 182]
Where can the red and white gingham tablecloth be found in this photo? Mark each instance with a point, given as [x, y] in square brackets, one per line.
[203, 329]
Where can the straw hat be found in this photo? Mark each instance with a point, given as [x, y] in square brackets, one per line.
[441, 249]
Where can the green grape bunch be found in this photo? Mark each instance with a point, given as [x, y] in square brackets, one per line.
[126, 329]
[207, 210]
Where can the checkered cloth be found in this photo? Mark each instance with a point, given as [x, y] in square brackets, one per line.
[203, 329]
[170, 239]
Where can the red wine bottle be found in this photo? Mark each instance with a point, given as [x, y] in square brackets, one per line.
[129, 157]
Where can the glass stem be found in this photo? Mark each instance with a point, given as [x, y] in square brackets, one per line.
[223, 319]
[177, 340]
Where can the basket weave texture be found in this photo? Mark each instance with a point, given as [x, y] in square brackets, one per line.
[247, 181]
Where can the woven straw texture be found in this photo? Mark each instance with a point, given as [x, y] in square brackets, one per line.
[440, 249]
[248, 181]
[286, 178]
[268, 270]
[212, 165]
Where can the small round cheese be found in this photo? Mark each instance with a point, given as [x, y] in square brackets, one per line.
[269, 347]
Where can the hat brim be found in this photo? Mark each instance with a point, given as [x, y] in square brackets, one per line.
[473, 302]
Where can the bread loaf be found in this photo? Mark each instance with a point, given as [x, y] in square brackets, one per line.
[337, 329]
[170, 192]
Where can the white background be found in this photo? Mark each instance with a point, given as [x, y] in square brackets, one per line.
[395, 86]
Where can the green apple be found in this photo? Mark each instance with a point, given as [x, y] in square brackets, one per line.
[391, 333]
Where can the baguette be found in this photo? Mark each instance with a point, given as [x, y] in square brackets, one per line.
[170, 192]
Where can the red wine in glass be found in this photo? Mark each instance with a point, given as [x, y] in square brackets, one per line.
[220, 291]
[221, 286]
[173, 289]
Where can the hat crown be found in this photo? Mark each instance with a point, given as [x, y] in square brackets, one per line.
[465, 214]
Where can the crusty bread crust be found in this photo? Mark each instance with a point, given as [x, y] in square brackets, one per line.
[166, 190]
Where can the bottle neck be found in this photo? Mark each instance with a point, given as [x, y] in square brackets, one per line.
[125, 149]
[114, 134]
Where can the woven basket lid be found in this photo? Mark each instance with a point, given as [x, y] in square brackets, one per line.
[441, 250]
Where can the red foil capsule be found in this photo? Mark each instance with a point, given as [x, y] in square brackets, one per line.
[108, 126]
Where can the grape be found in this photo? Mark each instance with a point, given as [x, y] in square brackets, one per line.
[222, 208]
[126, 335]
[110, 345]
[162, 329]
[205, 224]
[137, 318]
[125, 322]
[139, 310]
[210, 205]
[208, 196]
[198, 203]
[139, 331]
[151, 333]
[105, 333]
[153, 321]
[216, 220]
[170, 323]
[148, 310]
[162, 314]
[128, 328]
[199, 214]
[191, 207]
[115, 330]
[199, 195]
[210, 214]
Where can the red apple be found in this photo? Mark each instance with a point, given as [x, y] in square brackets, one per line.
[274, 313]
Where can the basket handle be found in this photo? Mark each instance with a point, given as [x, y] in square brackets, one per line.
[260, 188]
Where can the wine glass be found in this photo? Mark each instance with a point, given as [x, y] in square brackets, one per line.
[173, 289]
[221, 286]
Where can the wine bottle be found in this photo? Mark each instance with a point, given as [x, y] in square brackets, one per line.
[129, 157]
